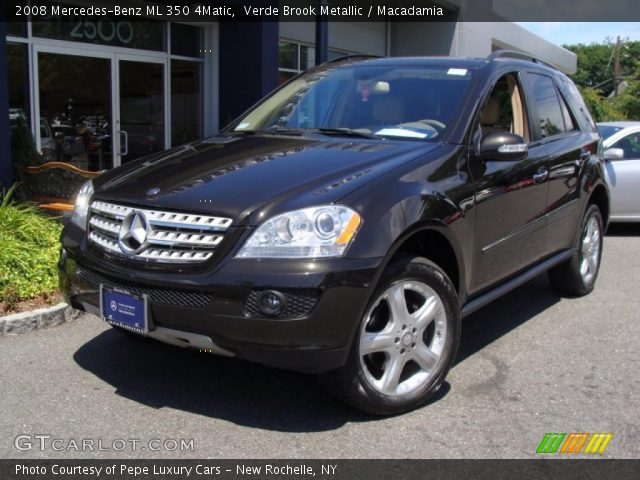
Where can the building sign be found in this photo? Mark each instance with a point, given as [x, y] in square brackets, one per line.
[101, 30]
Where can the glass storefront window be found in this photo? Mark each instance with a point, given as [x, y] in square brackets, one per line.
[143, 35]
[307, 57]
[141, 109]
[75, 110]
[186, 40]
[17, 29]
[186, 101]
[295, 58]
[288, 55]
[18, 83]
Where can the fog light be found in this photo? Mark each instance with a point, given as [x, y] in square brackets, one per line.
[271, 302]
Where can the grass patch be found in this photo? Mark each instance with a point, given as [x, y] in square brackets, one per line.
[29, 246]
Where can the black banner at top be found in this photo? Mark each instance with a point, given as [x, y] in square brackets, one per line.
[331, 10]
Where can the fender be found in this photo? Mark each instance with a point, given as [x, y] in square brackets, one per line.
[593, 180]
[433, 212]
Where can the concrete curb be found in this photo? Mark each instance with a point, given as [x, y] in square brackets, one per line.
[25, 322]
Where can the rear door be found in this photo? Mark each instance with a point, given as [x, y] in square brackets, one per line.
[624, 178]
[568, 148]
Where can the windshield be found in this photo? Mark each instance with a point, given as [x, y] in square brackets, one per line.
[607, 130]
[388, 101]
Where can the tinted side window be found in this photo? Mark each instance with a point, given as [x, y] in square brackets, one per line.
[569, 124]
[577, 103]
[504, 110]
[543, 94]
[630, 145]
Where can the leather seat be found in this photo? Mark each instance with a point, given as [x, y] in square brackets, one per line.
[490, 120]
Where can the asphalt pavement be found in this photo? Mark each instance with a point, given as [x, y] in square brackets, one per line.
[529, 364]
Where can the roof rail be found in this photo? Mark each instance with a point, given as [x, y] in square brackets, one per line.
[518, 55]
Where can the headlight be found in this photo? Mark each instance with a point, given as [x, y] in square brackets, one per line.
[315, 232]
[81, 207]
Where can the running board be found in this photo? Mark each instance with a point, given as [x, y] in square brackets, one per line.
[515, 282]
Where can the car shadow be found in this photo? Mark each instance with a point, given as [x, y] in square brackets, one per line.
[159, 375]
[623, 230]
[504, 315]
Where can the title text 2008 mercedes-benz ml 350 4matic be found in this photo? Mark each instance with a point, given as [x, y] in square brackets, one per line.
[346, 223]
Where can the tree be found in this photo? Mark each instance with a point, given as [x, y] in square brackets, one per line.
[596, 63]
[595, 77]
[600, 107]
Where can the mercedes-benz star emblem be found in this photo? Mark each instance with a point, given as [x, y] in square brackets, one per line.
[133, 232]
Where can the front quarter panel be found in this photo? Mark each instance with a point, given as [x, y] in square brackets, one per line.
[434, 194]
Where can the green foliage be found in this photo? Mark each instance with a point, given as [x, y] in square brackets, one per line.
[23, 147]
[596, 63]
[601, 108]
[595, 79]
[628, 104]
[28, 251]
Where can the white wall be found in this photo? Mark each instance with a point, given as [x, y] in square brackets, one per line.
[476, 39]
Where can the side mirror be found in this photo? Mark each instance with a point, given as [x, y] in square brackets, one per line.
[503, 147]
[613, 154]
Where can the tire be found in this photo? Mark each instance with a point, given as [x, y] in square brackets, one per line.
[578, 275]
[398, 360]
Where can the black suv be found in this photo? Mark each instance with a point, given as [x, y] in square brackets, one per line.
[346, 223]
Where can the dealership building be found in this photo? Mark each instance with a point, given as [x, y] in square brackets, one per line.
[97, 95]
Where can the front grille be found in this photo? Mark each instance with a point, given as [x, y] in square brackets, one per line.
[166, 296]
[167, 237]
[300, 302]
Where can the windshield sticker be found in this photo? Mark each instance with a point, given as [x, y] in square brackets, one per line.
[406, 132]
[457, 71]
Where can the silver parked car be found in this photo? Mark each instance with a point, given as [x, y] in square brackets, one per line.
[621, 143]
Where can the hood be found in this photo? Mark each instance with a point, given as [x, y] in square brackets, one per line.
[252, 177]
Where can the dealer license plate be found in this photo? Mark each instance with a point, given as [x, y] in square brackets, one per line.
[124, 309]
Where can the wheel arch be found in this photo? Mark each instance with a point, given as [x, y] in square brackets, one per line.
[436, 243]
[600, 197]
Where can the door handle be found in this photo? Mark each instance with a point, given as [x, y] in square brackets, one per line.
[541, 175]
[124, 145]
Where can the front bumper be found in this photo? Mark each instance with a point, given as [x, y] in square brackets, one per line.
[209, 312]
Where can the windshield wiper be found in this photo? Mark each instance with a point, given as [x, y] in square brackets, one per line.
[347, 132]
[274, 130]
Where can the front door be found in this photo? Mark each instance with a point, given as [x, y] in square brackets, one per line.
[511, 196]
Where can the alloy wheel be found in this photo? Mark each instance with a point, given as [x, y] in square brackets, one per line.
[590, 251]
[402, 338]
